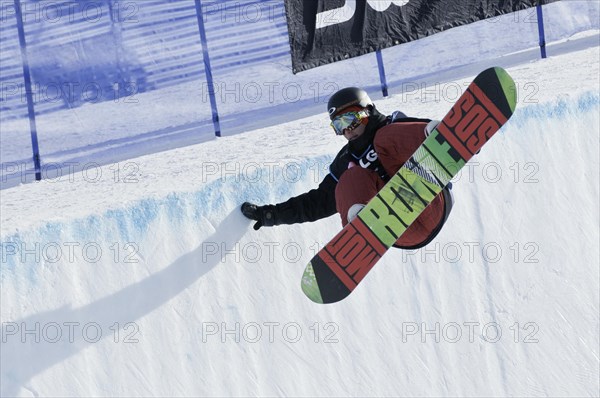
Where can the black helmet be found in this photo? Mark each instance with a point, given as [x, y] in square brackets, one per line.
[346, 97]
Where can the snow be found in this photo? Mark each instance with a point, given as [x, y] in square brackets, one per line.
[254, 96]
[142, 278]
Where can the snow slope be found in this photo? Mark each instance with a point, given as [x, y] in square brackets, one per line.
[142, 278]
[256, 94]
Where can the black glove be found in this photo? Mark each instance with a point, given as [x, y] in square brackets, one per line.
[264, 215]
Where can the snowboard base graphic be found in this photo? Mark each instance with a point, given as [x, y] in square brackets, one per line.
[337, 269]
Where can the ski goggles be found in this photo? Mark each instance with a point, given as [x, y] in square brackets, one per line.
[348, 120]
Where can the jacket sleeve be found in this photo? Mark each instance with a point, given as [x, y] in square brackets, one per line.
[310, 206]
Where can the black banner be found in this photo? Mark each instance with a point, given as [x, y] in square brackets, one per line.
[326, 31]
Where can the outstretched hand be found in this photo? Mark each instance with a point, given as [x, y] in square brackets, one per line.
[264, 215]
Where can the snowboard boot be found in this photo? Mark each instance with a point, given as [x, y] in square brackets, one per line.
[354, 210]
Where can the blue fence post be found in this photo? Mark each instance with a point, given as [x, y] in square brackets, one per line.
[540, 18]
[384, 88]
[28, 92]
[207, 69]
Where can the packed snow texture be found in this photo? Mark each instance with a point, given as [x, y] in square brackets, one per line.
[142, 278]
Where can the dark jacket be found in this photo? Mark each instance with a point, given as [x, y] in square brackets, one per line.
[320, 202]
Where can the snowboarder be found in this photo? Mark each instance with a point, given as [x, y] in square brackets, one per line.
[377, 147]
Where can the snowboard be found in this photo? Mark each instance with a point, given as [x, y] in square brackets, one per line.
[337, 269]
